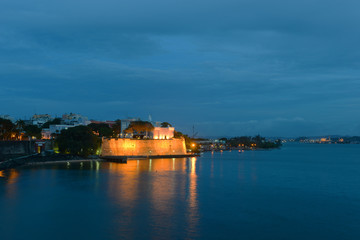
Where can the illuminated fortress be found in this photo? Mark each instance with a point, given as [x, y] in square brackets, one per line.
[144, 140]
[139, 147]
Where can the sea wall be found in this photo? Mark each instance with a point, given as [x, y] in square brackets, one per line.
[134, 147]
[16, 147]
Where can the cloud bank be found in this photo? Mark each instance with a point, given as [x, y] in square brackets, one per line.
[278, 68]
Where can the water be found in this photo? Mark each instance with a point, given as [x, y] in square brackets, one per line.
[299, 192]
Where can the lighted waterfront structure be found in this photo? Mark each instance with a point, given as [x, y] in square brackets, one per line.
[163, 133]
[138, 147]
[325, 140]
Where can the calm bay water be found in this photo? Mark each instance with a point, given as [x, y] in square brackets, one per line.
[299, 192]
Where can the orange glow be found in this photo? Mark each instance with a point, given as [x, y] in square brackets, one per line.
[125, 187]
[127, 193]
[11, 186]
[131, 147]
[13, 175]
[193, 166]
[193, 200]
[163, 133]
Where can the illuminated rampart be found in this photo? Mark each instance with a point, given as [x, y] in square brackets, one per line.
[134, 147]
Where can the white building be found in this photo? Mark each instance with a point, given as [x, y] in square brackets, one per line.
[56, 129]
[7, 117]
[40, 119]
[75, 119]
[163, 133]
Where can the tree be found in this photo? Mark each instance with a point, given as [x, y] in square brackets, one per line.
[101, 129]
[78, 140]
[32, 131]
[55, 121]
[165, 124]
[253, 142]
[189, 143]
[258, 139]
[243, 141]
[139, 128]
[7, 129]
[20, 125]
[116, 128]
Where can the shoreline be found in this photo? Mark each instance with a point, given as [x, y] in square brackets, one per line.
[37, 160]
[61, 161]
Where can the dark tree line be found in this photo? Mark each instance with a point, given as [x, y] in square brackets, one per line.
[257, 141]
[7, 129]
[13, 131]
[78, 140]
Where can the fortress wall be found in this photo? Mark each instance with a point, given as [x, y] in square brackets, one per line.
[134, 147]
[16, 147]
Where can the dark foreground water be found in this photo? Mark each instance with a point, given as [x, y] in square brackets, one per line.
[298, 192]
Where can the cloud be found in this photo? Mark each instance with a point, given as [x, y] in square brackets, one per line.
[275, 67]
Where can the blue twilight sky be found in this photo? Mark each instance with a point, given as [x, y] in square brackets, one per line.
[230, 67]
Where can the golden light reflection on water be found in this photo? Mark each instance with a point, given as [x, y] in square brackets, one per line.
[10, 176]
[193, 200]
[161, 184]
[156, 179]
[128, 173]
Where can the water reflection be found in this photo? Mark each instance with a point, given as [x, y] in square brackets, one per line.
[10, 176]
[193, 200]
[161, 199]
[166, 183]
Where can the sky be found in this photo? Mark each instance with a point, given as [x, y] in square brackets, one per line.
[230, 67]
